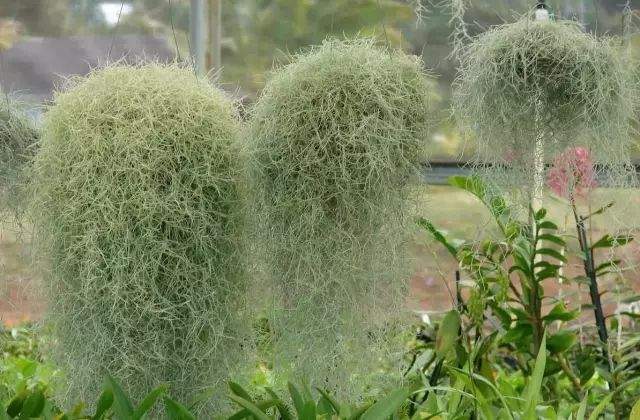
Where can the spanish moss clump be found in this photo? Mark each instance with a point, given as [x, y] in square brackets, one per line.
[137, 188]
[18, 137]
[337, 137]
[547, 84]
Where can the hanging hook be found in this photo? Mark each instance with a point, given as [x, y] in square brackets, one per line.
[542, 11]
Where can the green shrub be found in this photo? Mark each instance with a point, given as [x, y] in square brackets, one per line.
[528, 79]
[18, 138]
[137, 211]
[336, 138]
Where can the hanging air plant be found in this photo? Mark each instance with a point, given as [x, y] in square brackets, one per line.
[18, 139]
[548, 85]
[337, 136]
[137, 205]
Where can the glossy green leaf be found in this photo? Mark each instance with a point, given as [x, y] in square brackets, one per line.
[15, 406]
[296, 397]
[122, 406]
[285, 413]
[552, 238]
[635, 411]
[176, 411]
[540, 214]
[334, 404]
[602, 405]
[552, 253]
[561, 313]
[534, 386]
[582, 409]
[104, 404]
[608, 241]
[308, 411]
[33, 404]
[238, 390]
[262, 406]
[387, 406]
[561, 341]
[438, 236]
[148, 402]
[518, 332]
[448, 334]
[605, 266]
[547, 225]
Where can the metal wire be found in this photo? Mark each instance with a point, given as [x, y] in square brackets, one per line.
[115, 31]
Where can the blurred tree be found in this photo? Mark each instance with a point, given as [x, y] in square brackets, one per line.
[39, 18]
[8, 33]
[264, 31]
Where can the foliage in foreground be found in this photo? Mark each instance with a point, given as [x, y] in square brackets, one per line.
[422, 400]
[507, 311]
[137, 216]
[336, 137]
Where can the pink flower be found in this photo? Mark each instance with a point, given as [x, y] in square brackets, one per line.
[572, 174]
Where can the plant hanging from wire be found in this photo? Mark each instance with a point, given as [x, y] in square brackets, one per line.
[536, 87]
[18, 140]
[337, 137]
[137, 215]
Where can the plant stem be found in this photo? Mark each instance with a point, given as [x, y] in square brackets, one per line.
[590, 271]
[569, 372]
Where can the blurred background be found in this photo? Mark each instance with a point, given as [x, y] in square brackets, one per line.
[45, 41]
[237, 42]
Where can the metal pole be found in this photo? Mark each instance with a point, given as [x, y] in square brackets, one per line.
[215, 35]
[198, 35]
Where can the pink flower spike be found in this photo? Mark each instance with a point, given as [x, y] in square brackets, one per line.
[572, 174]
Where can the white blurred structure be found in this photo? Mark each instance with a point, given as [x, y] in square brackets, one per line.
[111, 11]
